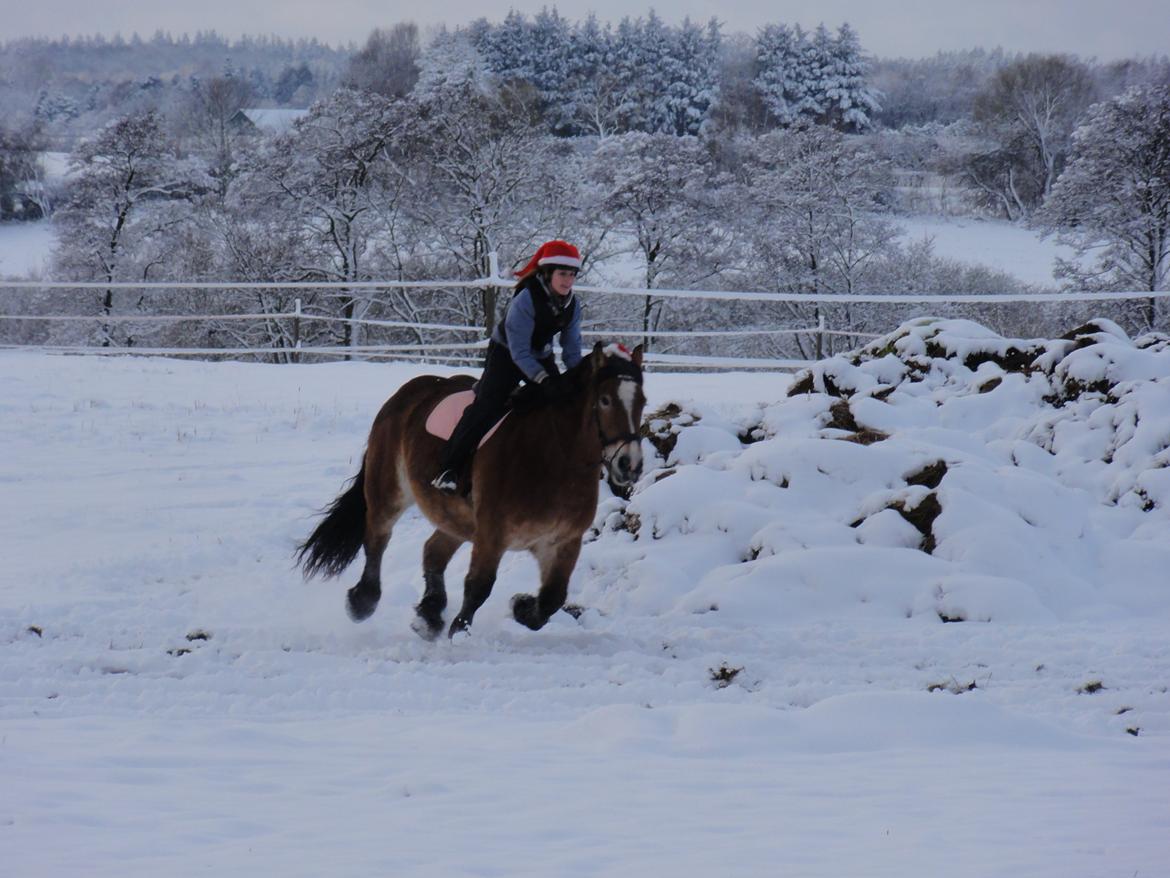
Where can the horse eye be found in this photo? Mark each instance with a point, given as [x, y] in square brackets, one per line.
[605, 399]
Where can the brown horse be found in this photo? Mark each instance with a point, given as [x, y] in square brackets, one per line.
[534, 486]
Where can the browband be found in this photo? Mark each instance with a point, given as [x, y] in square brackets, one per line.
[619, 367]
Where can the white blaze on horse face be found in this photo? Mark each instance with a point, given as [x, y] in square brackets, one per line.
[628, 394]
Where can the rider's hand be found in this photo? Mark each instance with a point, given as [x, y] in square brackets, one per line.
[554, 387]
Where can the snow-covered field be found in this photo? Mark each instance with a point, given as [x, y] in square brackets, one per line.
[1013, 249]
[175, 700]
[1003, 246]
[25, 248]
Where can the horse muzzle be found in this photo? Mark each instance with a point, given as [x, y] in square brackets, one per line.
[623, 463]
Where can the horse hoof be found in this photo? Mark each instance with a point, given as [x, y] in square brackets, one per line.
[360, 604]
[426, 629]
[460, 629]
[524, 611]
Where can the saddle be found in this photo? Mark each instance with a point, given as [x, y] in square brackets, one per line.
[444, 416]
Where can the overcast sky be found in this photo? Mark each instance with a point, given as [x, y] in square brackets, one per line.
[1106, 29]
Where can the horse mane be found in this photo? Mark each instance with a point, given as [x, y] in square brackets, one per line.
[529, 398]
[617, 362]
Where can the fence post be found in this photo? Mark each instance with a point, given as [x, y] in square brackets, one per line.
[296, 357]
[821, 337]
[494, 264]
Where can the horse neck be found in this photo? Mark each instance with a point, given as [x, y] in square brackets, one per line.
[575, 427]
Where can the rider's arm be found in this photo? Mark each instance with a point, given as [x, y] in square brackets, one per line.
[571, 338]
[518, 327]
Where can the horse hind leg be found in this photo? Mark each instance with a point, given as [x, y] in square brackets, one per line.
[556, 566]
[362, 599]
[437, 554]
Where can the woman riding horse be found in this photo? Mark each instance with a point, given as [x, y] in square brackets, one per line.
[520, 348]
[534, 487]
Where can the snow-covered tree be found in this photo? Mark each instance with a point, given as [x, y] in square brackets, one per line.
[1039, 97]
[817, 74]
[480, 170]
[814, 222]
[627, 63]
[658, 189]
[1002, 173]
[508, 49]
[940, 89]
[850, 103]
[596, 86]
[327, 176]
[213, 102]
[691, 65]
[22, 190]
[779, 59]
[451, 62]
[740, 106]
[125, 185]
[1113, 200]
[645, 76]
[814, 78]
[552, 47]
[388, 63]
[538, 53]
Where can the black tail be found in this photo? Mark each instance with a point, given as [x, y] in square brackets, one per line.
[339, 536]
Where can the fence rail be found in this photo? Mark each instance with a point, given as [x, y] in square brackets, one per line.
[663, 293]
[463, 352]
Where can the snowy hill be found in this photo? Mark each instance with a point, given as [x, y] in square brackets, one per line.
[871, 619]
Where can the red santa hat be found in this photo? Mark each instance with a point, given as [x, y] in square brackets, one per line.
[560, 253]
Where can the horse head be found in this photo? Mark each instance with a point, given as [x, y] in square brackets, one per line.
[616, 378]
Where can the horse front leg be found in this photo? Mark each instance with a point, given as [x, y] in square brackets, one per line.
[437, 555]
[481, 576]
[556, 566]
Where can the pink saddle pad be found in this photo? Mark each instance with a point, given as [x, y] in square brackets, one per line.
[443, 417]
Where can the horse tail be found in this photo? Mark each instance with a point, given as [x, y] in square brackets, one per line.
[336, 540]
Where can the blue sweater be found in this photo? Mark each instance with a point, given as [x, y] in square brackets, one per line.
[530, 324]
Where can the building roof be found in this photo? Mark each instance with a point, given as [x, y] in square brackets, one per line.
[270, 120]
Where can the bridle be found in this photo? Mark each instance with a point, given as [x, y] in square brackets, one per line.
[623, 370]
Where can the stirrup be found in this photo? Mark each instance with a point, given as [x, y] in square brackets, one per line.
[446, 482]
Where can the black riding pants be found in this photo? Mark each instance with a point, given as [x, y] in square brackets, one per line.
[500, 377]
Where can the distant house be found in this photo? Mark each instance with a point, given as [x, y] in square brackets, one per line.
[265, 121]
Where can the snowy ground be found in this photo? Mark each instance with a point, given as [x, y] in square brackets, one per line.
[175, 700]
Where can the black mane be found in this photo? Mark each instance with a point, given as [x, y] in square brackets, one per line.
[529, 397]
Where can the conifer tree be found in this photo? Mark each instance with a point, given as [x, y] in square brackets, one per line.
[778, 59]
[852, 103]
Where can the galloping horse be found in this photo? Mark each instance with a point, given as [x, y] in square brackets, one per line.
[534, 487]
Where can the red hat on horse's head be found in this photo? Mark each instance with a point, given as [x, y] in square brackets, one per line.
[560, 253]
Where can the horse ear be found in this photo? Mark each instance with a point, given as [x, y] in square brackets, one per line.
[637, 356]
[597, 358]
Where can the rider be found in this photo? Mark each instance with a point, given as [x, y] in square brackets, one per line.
[542, 306]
